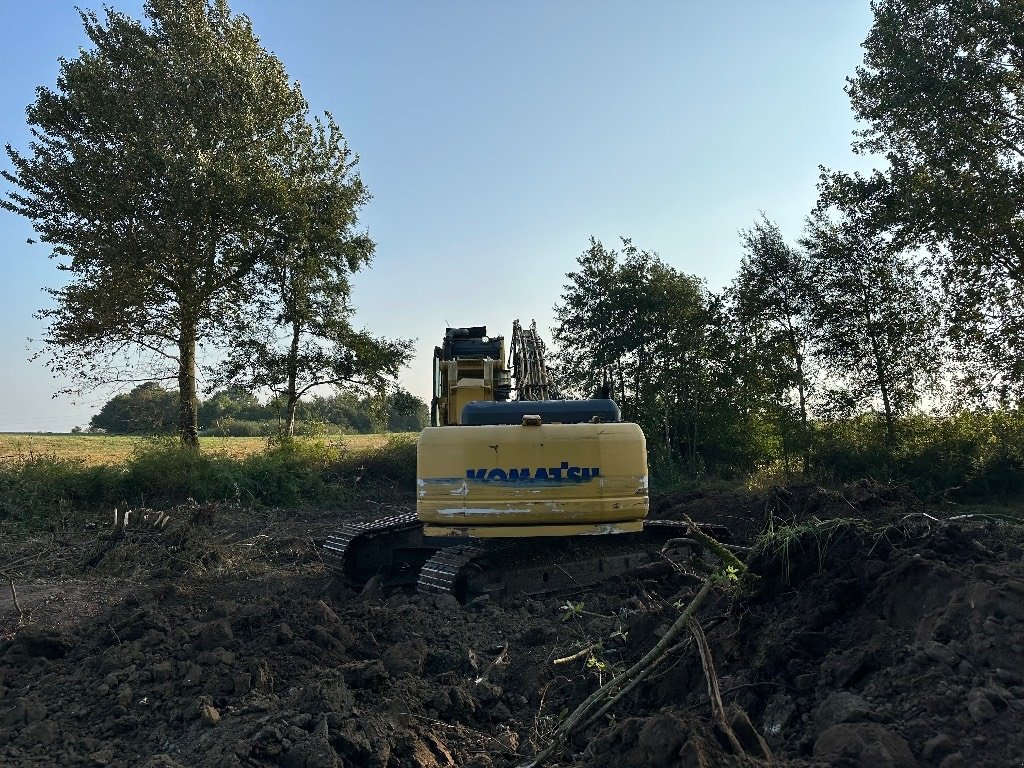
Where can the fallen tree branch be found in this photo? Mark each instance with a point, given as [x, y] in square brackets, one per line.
[600, 701]
[715, 546]
[572, 657]
[717, 707]
[633, 684]
[614, 688]
[17, 605]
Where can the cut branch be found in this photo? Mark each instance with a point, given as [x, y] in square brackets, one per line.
[622, 683]
[601, 700]
[717, 707]
[17, 605]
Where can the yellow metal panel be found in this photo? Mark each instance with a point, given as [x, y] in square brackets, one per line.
[532, 531]
[532, 475]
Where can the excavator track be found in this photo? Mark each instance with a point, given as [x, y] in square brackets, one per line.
[557, 565]
[395, 549]
[391, 547]
[440, 574]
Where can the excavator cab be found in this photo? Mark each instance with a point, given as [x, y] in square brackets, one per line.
[468, 367]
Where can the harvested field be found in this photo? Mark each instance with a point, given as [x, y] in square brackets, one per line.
[868, 634]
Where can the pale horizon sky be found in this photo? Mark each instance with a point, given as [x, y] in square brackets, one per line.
[496, 139]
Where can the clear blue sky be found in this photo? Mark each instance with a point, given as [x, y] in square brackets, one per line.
[496, 138]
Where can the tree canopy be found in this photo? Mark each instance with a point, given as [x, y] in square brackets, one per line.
[296, 334]
[875, 321]
[148, 409]
[940, 95]
[769, 303]
[665, 343]
[161, 173]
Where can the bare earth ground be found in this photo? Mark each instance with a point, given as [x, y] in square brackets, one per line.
[215, 641]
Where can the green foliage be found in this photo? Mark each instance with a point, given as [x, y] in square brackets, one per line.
[940, 96]
[296, 334]
[235, 412]
[406, 412]
[41, 489]
[293, 472]
[665, 341]
[807, 543]
[875, 319]
[166, 166]
[238, 428]
[967, 456]
[149, 409]
[769, 307]
[232, 403]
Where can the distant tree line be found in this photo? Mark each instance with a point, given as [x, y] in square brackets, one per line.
[150, 409]
[897, 312]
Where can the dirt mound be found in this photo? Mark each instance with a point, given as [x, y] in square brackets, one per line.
[863, 636]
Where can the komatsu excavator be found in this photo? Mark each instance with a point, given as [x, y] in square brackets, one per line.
[530, 494]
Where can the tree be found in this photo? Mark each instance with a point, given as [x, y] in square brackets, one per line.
[941, 94]
[297, 335]
[662, 321]
[663, 338]
[155, 176]
[399, 411]
[407, 413]
[148, 409]
[586, 337]
[232, 403]
[770, 300]
[876, 323]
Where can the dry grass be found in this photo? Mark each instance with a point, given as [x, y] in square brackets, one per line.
[117, 449]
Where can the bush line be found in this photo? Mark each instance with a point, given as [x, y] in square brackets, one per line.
[290, 473]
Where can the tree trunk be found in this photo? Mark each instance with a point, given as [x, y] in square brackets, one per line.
[883, 386]
[289, 419]
[882, 377]
[188, 401]
[802, 394]
[293, 376]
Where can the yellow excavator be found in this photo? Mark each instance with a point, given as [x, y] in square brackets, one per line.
[523, 494]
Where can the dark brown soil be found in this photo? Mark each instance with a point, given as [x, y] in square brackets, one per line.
[867, 634]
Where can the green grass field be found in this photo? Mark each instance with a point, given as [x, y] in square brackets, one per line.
[93, 450]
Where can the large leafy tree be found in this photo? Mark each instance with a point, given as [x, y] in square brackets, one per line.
[941, 96]
[769, 301]
[155, 176]
[297, 334]
[663, 342]
[875, 320]
[587, 349]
